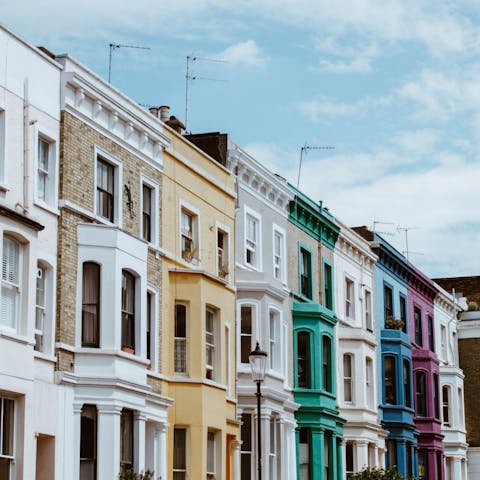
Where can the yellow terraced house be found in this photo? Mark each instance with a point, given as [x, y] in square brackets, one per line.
[198, 301]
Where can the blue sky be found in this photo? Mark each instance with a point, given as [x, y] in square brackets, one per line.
[393, 85]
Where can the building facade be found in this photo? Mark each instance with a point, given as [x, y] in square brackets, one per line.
[263, 315]
[112, 404]
[311, 240]
[395, 354]
[198, 295]
[426, 374]
[29, 165]
[357, 361]
[446, 312]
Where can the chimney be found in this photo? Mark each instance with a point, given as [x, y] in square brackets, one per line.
[154, 111]
[164, 113]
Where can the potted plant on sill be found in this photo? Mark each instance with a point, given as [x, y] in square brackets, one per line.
[394, 323]
[223, 271]
[129, 350]
[189, 255]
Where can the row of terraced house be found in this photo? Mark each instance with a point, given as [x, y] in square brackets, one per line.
[140, 267]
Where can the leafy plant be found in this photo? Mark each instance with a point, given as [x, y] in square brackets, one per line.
[394, 323]
[378, 474]
[130, 474]
[472, 306]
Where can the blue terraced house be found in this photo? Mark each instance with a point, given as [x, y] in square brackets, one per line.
[312, 235]
[395, 355]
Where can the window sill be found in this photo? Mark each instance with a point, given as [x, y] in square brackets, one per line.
[45, 206]
[4, 188]
[11, 334]
[45, 356]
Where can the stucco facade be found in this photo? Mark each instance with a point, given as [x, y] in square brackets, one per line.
[312, 236]
[395, 394]
[357, 361]
[29, 141]
[446, 311]
[426, 374]
[198, 292]
[263, 315]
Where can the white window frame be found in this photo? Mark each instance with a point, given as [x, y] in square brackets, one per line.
[254, 334]
[46, 331]
[195, 214]
[443, 343]
[51, 191]
[213, 440]
[180, 340]
[349, 298]
[117, 186]
[3, 145]
[153, 326]
[15, 324]
[253, 245]
[249, 453]
[214, 368]
[223, 270]
[273, 451]
[461, 411]
[369, 324]
[354, 463]
[154, 211]
[279, 258]
[369, 383]
[275, 341]
[348, 379]
[228, 359]
[448, 405]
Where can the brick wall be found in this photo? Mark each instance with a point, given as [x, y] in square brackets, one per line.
[469, 353]
[77, 146]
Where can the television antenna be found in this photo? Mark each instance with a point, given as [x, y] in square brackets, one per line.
[375, 223]
[407, 252]
[189, 77]
[115, 46]
[303, 150]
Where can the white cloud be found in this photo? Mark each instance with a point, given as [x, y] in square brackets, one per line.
[246, 53]
[319, 108]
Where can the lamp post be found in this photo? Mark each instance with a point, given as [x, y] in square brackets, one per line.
[258, 363]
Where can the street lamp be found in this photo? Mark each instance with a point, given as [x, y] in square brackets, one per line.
[258, 363]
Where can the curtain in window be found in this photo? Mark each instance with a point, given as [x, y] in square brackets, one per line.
[90, 304]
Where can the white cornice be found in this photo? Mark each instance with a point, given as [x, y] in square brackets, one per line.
[353, 246]
[257, 179]
[96, 102]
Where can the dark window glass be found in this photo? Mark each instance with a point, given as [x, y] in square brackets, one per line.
[388, 302]
[88, 443]
[390, 380]
[391, 453]
[423, 464]
[126, 439]
[327, 364]
[147, 213]
[446, 405]
[245, 333]
[179, 454]
[420, 385]
[436, 397]
[305, 273]
[408, 459]
[90, 304]
[149, 324]
[406, 384]
[431, 336]
[105, 190]
[303, 360]
[327, 286]
[305, 453]
[180, 347]
[417, 315]
[403, 312]
[128, 310]
[246, 448]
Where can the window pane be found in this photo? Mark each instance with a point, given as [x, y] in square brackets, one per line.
[90, 304]
[420, 384]
[179, 449]
[406, 384]
[126, 439]
[245, 333]
[128, 310]
[390, 381]
[10, 292]
[7, 422]
[303, 359]
[180, 348]
[326, 363]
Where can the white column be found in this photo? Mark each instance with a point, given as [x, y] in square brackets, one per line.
[74, 440]
[265, 426]
[139, 441]
[457, 468]
[161, 450]
[236, 447]
[289, 462]
[108, 446]
[282, 446]
[362, 454]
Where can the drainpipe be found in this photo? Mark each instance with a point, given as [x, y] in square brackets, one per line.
[26, 147]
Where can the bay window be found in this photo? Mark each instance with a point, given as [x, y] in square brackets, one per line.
[90, 304]
[180, 340]
[421, 394]
[347, 378]
[128, 311]
[246, 325]
[303, 360]
[390, 380]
